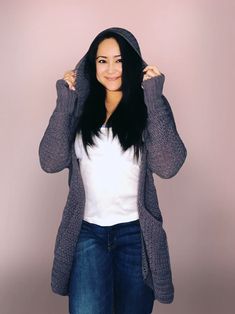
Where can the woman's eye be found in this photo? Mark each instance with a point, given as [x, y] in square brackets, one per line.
[103, 61]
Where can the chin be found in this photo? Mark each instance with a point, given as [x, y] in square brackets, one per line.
[111, 86]
[113, 89]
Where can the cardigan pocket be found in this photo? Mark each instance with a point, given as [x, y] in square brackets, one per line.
[156, 245]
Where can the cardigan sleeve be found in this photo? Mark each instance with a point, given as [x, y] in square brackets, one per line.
[55, 145]
[166, 151]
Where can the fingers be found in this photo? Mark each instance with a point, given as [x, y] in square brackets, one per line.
[150, 71]
[70, 78]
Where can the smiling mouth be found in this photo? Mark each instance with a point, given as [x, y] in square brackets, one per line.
[112, 78]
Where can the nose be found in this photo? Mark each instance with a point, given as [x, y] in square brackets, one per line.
[111, 67]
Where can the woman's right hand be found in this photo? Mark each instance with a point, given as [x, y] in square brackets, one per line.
[70, 78]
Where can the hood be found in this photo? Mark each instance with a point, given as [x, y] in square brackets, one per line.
[82, 84]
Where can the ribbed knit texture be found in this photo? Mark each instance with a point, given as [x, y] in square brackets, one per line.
[164, 153]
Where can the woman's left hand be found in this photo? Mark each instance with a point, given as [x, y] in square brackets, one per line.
[150, 71]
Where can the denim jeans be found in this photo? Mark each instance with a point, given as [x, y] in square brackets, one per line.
[106, 275]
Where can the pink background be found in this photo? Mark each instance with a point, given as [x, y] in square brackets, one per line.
[192, 43]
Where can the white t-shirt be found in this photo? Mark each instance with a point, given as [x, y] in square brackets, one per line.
[110, 180]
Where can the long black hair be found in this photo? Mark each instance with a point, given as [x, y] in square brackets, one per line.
[129, 118]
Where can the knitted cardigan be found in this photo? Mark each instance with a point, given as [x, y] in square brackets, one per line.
[164, 153]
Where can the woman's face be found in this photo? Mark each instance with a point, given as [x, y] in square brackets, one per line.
[109, 64]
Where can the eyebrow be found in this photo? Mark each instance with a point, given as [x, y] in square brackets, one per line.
[106, 57]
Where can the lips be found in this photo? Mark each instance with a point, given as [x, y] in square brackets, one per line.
[112, 78]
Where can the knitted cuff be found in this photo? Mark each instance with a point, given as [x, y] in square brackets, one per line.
[66, 98]
[153, 88]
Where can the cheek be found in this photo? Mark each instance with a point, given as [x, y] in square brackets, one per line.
[98, 77]
[99, 72]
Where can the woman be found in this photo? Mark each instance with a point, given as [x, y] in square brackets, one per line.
[112, 128]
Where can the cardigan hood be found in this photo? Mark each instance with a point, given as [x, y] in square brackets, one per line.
[82, 84]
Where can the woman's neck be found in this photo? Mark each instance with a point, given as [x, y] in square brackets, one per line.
[112, 100]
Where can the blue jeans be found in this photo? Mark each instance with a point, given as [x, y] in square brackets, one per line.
[106, 275]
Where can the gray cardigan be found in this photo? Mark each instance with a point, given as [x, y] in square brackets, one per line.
[164, 153]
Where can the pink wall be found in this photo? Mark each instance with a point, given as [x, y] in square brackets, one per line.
[192, 43]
